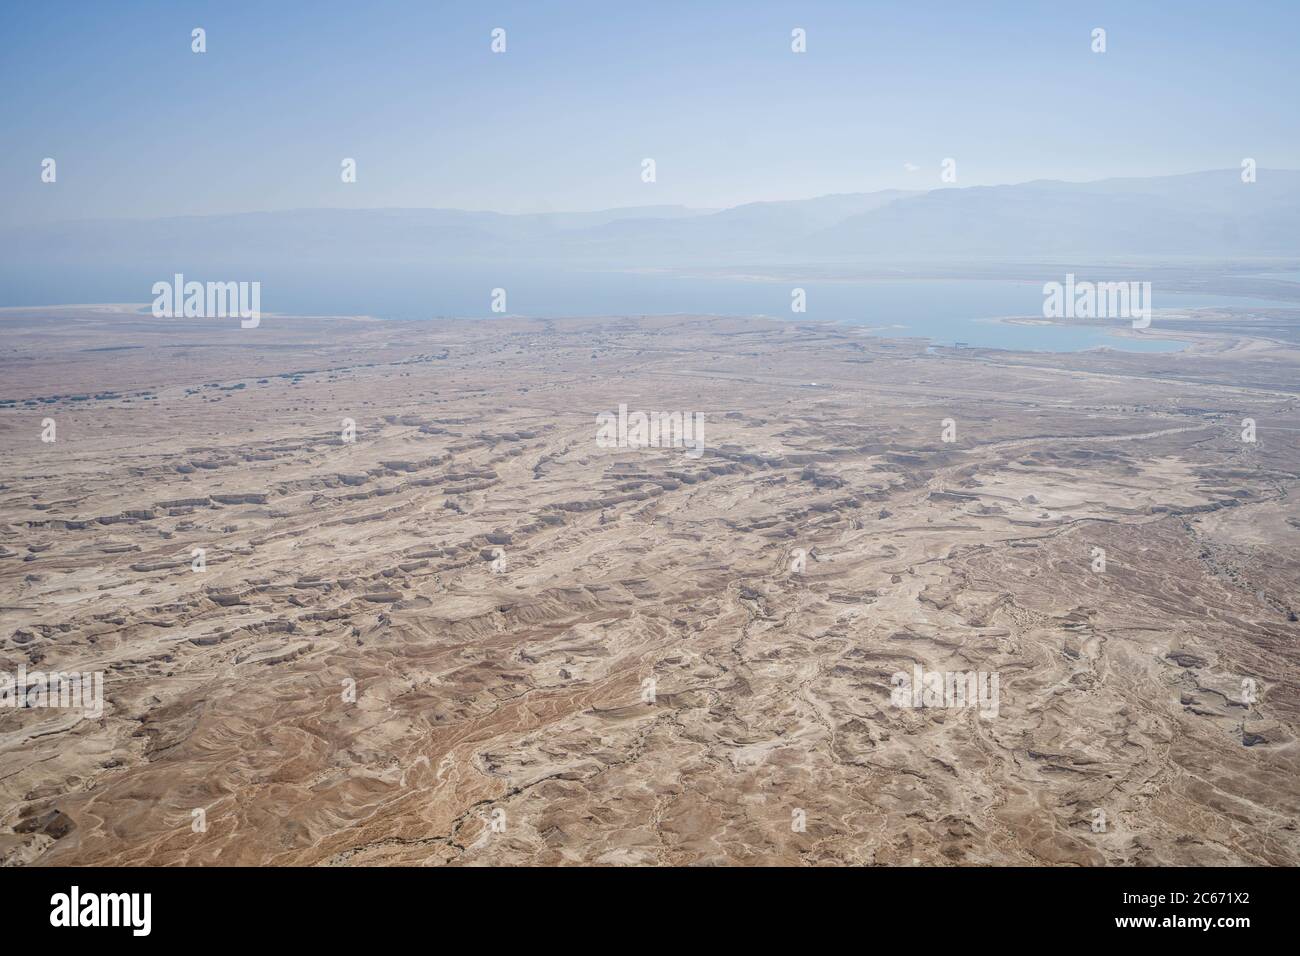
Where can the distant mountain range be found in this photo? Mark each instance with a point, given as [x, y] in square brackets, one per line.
[1212, 214]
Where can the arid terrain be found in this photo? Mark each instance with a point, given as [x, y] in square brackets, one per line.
[468, 634]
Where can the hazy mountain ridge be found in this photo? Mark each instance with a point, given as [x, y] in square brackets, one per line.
[1209, 213]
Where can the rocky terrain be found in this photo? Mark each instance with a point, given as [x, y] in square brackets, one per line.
[370, 592]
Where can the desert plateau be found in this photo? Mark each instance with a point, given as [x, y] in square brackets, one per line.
[371, 592]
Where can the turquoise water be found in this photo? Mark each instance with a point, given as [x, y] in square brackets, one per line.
[943, 311]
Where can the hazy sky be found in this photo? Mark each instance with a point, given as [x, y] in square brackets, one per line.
[140, 126]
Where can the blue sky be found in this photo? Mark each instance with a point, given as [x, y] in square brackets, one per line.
[141, 127]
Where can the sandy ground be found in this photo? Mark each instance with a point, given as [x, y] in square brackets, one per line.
[474, 636]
